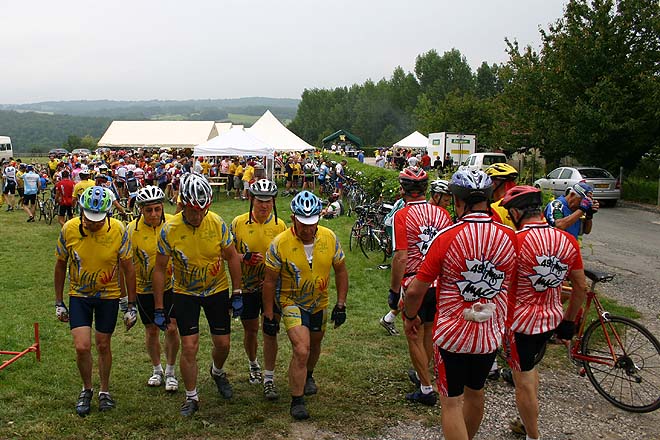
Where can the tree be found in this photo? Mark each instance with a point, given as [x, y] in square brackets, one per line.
[440, 75]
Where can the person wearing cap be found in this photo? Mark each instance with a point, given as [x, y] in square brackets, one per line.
[546, 257]
[474, 262]
[574, 211]
[52, 165]
[298, 264]
[9, 186]
[96, 249]
[199, 242]
[84, 183]
[253, 232]
[64, 190]
[30, 191]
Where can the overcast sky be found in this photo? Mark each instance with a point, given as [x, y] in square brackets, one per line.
[135, 50]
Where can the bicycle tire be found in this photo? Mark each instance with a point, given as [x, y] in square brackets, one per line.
[49, 211]
[633, 382]
[354, 237]
[368, 243]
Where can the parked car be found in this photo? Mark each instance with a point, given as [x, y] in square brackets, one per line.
[607, 189]
[81, 152]
[58, 152]
[481, 161]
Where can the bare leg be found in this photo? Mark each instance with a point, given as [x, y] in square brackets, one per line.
[419, 356]
[172, 343]
[82, 341]
[314, 349]
[473, 410]
[105, 358]
[300, 341]
[251, 329]
[527, 388]
[451, 418]
[220, 349]
[188, 363]
[152, 334]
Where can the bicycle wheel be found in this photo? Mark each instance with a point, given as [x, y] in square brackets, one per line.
[369, 243]
[49, 211]
[354, 238]
[632, 382]
[386, 244]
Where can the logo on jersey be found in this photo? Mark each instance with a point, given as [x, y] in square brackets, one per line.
[425, 236]
[481, 280]
[549, 273]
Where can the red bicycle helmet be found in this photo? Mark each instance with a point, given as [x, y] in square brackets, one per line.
[522, 197]
[413, 180]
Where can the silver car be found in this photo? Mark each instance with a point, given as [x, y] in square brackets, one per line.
[606, 187]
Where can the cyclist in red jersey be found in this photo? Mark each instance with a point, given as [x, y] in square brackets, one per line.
[475, 260]
[415, 226]
[546, 256]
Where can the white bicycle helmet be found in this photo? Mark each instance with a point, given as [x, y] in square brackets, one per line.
[440, 186]
[471, 186]
[306, 207]
[195, 191]
[149, 195]
[263, 189]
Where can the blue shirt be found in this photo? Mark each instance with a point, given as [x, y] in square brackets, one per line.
[558, 209]
[31, 183]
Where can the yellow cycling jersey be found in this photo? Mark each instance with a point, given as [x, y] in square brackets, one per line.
[301, 283]
[502, 213]
[197, 265]
[254, 237]
[80, 187]
[248, 173]
[144, 241]
[94, 259]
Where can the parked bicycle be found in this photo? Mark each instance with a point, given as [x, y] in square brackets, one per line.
[368, 231]
[47, 206]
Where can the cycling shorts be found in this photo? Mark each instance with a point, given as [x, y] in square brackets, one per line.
[216, 308]
[293, 316]
[65, 211]
[10, 187]
[427, 310]
[146, 307]
[102, 311]
[455, 371]
[524, 349]
[29, 199]
[309, 178]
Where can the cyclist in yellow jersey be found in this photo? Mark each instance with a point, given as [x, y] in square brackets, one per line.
[504, 178]
[253, 232]
[85, 182]
[95, 248]
[248, 177]
[199, 242]
[298, 264]
[143, 234]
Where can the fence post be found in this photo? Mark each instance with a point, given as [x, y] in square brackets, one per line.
[621, 182]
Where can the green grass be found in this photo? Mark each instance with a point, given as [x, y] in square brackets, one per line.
[361, 372]
[238, 118]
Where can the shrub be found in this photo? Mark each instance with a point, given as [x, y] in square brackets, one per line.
[640, 190]
[377, 181]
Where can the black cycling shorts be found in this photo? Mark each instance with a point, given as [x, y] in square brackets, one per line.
[65, 211]
[253, 305]
[103, 311]
[216, 308]
[145, 305]
[29, 199]
[526, 349]
[455, 371]
[10, 187]
[428, 308]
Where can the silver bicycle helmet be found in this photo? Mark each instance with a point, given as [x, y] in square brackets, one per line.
[263, 189]
[149, 195]
[195, 191]
[471, 186]
[440, 186]
[306, 207]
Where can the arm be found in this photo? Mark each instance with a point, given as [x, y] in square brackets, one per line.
[567, 222]
[411, 304]
[158, 279]
[341, 281]
[268, 292]
[398, 269]
[579, 283]
[234, 262]
[128, 271]
[60, 277]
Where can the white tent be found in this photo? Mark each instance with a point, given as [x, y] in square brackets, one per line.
[271, 130]
[235, 142]
[222, 127]
[123, 134]
[413, 140]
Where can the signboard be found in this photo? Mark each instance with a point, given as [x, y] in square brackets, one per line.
[460, 141]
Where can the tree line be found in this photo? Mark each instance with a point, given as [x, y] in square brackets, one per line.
[591, 92]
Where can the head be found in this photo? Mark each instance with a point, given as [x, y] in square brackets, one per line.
[440, 193]
[262, 194]
[30, 169]
[523, 203]
[504, 178]
[65, 173]
[196, 197]
[150, 201]
[95, 204]
[305, 210]
[333, 197]
[576, 193]
[472, 191]
[413, 181]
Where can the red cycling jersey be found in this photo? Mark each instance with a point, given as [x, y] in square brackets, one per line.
[476, 262]
[415, 225]
[546, 256]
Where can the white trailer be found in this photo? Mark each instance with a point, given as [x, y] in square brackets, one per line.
[458, 145]
[5, 148]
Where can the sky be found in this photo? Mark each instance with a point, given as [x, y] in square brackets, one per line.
[208, 49]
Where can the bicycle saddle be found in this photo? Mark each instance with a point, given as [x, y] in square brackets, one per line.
[599, 277]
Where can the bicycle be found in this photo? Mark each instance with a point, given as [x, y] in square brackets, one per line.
[619, 356]
[369, 232]
[46, 207]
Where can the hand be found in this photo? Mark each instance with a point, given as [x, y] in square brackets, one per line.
[585, 204]
[252, 258]
[270, 327]
[338, 315]
[130, 317]
[61, 312]
[411, 327]
[237, 304]
[595, 205]
[393, 299]
[565, 330]
[160, 319]
[123, 304]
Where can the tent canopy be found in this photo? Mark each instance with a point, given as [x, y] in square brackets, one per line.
[235, 142]
[123, 134]
[413, 140]
[343, 135]
[271, 130]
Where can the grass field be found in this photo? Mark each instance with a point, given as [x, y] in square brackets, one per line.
[361, 372]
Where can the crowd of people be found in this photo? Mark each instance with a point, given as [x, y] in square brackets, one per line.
[464, 285]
